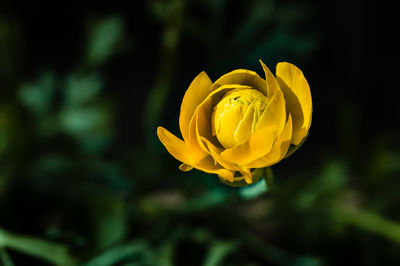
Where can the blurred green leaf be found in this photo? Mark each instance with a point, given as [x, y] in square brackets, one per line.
[166, 253]
[326, 185]
[119, 253]
[38, 96]
[103, 40]
[109, 218]
[90, 125]
[77, 121]
[49, 251]
[209, 199]
[368, 220]
[82, 89]
[5, 258]
[218, 251]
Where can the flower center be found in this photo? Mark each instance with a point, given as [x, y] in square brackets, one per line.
[235, 117]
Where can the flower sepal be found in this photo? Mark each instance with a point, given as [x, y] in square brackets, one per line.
[293, 148]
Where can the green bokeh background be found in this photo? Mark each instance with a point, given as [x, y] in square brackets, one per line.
[85, 181]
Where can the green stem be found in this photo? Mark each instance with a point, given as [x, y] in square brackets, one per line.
[159, 92]
[269, 177]
[369, 221]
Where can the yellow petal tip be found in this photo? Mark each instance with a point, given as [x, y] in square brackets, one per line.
[185, 167]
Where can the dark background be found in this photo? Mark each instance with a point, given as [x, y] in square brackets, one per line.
[84, 179]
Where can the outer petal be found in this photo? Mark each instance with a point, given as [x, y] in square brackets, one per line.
[279, 149]
[216, 154]
[185, 167]
[242, 77]
[259, 144]
[275, 113]
[195, 94]
[208, 165]
[200, 126]
[298, 98]
[175, 146]
[271, 82]
[247, 175]
[178, 149]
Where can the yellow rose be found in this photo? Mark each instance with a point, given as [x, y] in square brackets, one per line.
[241, 122]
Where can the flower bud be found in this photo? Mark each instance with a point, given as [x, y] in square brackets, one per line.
[235, 117]
[241, 124]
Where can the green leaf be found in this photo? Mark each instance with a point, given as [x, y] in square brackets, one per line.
[80, 120]
[55, 253]
[38, 96]
[81, 89]
[103, 40]
[109, 215]
[119, 253]
[5, 258]
[218, 251]
[210, 199]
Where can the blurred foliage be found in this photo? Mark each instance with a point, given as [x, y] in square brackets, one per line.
[85, 181]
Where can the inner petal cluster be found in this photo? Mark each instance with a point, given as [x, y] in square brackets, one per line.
[236, 115]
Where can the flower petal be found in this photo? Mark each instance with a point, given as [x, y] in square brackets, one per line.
[226, 127]
[175, 146]
[215, 152]
[247, 175]
[243, 130]
[259, 144]
[208, 165]
[298, 98]
[275, 112]
[279, 149]
[242, 77]
[195, 94]
[200, 126]
[270, 80]
[185, 167]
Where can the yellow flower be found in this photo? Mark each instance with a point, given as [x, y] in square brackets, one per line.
[241, 122]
